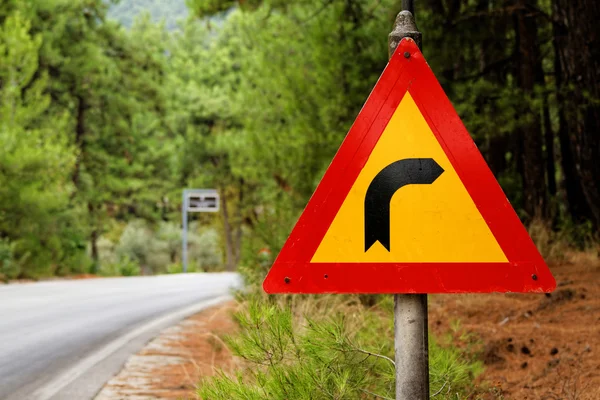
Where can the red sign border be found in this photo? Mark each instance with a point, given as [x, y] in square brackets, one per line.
[408, 71]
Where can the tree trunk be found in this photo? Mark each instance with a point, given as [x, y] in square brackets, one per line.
[577, 41]
[530, 74]
[80, 128]
[94, 241]
[94, 245]
[491, 50]
[239, 224]
[549, 144]
[577, 204]
[80, 133]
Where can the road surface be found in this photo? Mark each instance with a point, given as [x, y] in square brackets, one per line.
[62, 340]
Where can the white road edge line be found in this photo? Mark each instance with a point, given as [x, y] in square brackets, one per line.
[47, 391]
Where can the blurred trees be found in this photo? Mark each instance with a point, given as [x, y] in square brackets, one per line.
[100, 125]
[202, 86]
[511, 81]
[83, 139]
[35, 159]
[577, 70]
[306, 68]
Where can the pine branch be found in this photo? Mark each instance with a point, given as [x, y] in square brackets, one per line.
[440, 391]
[374, 355]
[316, 13]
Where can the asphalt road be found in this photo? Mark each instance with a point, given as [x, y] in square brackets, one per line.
[65, 339]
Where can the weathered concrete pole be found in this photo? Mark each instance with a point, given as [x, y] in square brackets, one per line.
[410, 310]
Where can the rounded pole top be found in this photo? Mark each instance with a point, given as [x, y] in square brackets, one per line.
[405, 26]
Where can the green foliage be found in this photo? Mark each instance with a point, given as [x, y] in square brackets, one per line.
[101, 125]
[261, 122]
[128, 267]
[9, 269]
[35, 159]
[135, 243]
[342, 351]
[124, 266]
[81, 128]
[106, 250]
[204, 250]
[177, 268]
[142, 248]
[168, 240]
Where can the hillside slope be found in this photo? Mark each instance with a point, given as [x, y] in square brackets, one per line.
[170, 11]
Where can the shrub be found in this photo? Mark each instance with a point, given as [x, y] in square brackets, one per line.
[106, 251]
[115, 261]
[9, 269]
[556, 244]
[139, 245]
[160, 251]
[135, 242]
[344, 351]
[128, 267]
[174, 268]
[123, 267]
[169, 235]
[157, 259]
[177, 268]
[204, 250]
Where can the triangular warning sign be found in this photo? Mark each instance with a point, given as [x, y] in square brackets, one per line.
[408, 205]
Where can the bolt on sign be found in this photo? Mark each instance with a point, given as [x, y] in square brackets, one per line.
[408, 205]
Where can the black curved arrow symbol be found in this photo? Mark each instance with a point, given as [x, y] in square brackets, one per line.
[410, 171]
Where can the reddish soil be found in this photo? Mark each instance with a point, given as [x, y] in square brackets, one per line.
[533, 346]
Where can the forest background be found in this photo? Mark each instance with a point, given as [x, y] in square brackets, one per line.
[104, 121]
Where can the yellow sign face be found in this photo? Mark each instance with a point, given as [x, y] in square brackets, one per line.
[436, 222]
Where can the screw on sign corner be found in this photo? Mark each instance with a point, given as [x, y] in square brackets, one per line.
[406, 54]
[534, 277]
[287, 280]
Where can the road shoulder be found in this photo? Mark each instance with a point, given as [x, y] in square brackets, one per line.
[171, 365]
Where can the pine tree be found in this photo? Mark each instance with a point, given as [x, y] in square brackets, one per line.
[35, 160]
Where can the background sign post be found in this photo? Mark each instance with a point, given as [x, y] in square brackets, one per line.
[195, 200]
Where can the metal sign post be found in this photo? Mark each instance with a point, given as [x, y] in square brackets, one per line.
[411, 342]
[195, 200]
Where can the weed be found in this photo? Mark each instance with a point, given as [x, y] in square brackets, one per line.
[556, 245]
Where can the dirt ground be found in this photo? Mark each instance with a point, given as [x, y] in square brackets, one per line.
[537, 346]
[534, 346]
